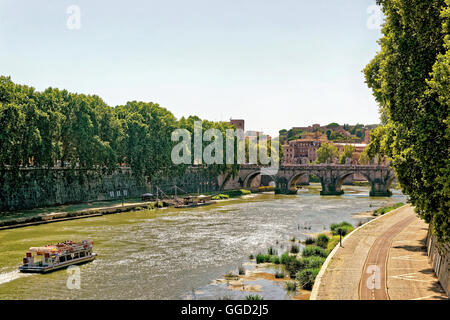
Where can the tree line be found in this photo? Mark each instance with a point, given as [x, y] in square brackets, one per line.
[58, 128]
[410, 79]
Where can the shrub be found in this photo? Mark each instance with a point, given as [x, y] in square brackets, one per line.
[220, 197]
[251, 257]
[310, 240]
[275, 259]
[284, 258]
[312, 262]
[314, 251]
[384, 210]
[322, 241]
[291, 285]
[292, 266]
[241, 270]
[346, 228]
[254, 297]
[262, 258]
[279, 275]
[294, 249]
[306, 277]
[272, 251]
[236, 193]
[332, 243]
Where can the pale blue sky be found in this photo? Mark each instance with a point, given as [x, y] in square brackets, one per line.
[276, 64]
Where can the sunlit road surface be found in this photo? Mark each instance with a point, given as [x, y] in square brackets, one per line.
[385, 259]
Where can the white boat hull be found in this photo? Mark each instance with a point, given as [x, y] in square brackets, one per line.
[46, 269]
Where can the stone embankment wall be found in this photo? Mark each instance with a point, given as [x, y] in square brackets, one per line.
[439, 255]
[33, 188]
[36, 187]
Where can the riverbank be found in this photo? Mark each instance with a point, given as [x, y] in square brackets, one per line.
[388, 244]
[11, 220]
[293, 270]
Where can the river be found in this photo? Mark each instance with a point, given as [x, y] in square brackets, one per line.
[175, 253]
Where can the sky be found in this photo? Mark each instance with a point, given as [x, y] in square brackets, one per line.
[276, 64]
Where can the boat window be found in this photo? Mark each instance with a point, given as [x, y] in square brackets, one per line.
[81, 254]
[62, 259]
[69, 257]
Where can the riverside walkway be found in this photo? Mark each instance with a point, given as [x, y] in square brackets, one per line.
[384, 259]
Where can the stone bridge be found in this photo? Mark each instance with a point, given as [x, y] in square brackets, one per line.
[331, 177]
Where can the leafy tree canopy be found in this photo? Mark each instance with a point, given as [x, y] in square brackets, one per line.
[409, 78]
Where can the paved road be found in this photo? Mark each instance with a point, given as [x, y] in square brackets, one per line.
[373, 285]
[384, 259]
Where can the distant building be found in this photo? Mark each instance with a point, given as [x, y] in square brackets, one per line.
[367, 136]
[238, 123]
[301, 151]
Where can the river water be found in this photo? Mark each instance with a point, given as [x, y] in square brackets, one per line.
[173, 253]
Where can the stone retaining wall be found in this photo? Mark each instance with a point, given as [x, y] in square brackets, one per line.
[32, 188]
[38, 187]
[438, 255]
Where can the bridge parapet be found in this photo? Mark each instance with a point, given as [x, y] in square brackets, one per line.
[331, 177]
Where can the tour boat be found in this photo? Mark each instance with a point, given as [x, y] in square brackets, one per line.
[58, 256]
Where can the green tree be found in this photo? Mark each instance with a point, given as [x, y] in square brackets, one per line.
[326, 153]
[363, 157]
[347, 153]
[410, 81]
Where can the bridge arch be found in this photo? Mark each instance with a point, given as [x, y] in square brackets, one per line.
[293, 181]
[248, 180]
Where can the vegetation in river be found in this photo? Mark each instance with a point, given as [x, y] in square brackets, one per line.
[322, 241]
[292, 265]
[263, 258]
[291, 285]
[254, 297]
[312, 261]
[241, 270]
[231, 276]
[334, 241]
[344, 227]
[306, 277]
[294, 249]
[272, 251]
[314, 251]
[383, 210]
[303, 270]
[220, 196]
[275, 260]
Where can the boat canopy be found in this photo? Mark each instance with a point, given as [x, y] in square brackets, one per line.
[49, 249]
